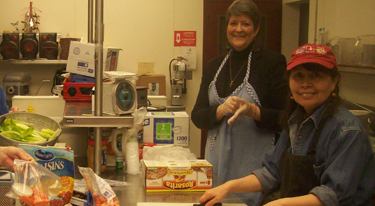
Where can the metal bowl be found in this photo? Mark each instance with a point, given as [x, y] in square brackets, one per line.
[39, 122]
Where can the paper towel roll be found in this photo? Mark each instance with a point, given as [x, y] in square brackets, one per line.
[132, 158]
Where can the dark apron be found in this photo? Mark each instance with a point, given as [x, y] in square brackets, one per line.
[297, 172]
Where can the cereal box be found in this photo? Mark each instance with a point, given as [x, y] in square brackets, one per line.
[190, 175]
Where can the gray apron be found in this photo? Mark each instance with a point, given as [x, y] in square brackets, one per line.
[237, 150]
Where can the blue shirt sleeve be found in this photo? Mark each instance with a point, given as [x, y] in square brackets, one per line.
[3, 105]
[344, 162]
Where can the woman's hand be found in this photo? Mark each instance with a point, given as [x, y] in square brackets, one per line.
[245, 108]
[230, 105]
[214, 195]
[306, 200]
[14, 109]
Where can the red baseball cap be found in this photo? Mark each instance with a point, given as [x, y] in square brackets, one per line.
[312, 53]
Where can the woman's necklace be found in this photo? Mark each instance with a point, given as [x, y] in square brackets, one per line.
[230, 71]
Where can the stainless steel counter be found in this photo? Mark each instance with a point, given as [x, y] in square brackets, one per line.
[135, 192]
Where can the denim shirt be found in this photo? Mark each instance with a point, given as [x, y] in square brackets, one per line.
[344, 160]
[3, 106]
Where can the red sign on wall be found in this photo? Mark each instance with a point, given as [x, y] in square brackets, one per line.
[185, 38]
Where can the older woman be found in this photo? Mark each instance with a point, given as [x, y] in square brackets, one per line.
[248, 75]
[323, 156]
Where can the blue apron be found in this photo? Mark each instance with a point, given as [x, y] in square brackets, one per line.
[237, 150]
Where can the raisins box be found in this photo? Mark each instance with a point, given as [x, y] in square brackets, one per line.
[166, 128]
[189, 175]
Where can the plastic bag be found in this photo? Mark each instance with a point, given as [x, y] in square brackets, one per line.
[100, 190]
[132, 149]
[58, 160]
[34, 185]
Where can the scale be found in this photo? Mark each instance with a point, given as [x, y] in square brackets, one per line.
[119, 97]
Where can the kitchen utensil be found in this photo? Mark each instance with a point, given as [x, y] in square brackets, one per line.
[39, 122]
[371, 114]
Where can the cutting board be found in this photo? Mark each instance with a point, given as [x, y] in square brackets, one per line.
[180, 204]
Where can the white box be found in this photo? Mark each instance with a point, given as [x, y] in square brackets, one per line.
[50, 106]
[157, 100]
[166, 128]
[81, 58]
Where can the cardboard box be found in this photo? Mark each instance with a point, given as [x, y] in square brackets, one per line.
[191, 175]
[155, 83]
[81, 58]
[166, 128]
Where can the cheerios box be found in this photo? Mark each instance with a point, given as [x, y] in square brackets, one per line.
[166, 128]
[189, 175]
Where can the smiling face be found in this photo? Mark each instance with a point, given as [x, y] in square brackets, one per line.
[241, 32]
[312, 88]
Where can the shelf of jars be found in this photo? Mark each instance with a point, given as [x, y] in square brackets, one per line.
[35, 61]
[358, 69]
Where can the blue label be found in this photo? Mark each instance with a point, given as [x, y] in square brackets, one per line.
[163, 130]
[146, 122]
[125, 96]
[59, 161]
[83, 64]
[44, 155]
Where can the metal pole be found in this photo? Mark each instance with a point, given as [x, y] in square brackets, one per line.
[90, 26]
[98, 111]
[316, 22]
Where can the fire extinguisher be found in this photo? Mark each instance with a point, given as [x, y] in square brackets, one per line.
[179, 73]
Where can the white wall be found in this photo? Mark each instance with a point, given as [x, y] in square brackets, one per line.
[144, 30]
[340, 18]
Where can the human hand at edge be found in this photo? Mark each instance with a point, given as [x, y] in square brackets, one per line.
[230, 105]
[214, 195]
[14, 109]
[244, 109]
[9, 153]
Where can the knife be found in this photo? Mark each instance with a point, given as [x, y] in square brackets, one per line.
[203, 204]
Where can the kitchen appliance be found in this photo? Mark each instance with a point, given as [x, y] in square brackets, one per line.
[9, 47]
[29, 46]
[366, 115]
[178, 81]
[142, 96]
[119, 97]
[48, 46]
[16, 83]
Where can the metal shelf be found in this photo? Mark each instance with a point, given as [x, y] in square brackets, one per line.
[36, 62]
[357, 69]
[79, 114]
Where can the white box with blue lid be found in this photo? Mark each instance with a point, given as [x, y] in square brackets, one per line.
[81, 59]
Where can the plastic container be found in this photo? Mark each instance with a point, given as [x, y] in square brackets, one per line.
[90, 155]
[365, 50]
[345, 51]
[77, 91]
